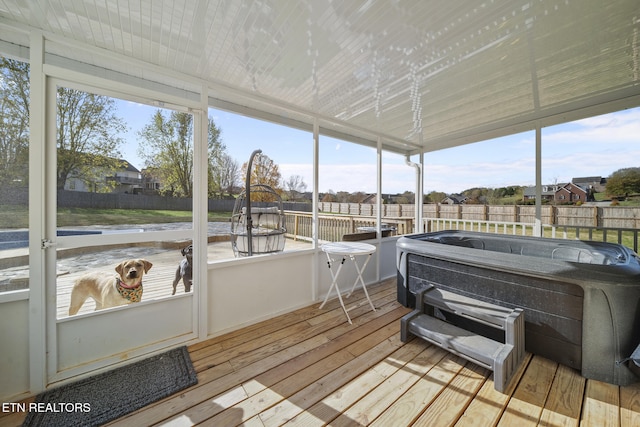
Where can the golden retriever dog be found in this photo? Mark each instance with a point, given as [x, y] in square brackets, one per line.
[109, 290]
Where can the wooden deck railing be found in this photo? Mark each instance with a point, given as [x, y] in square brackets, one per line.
[624, 236]
[333, 226]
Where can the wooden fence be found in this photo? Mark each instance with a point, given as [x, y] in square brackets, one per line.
[582, 216]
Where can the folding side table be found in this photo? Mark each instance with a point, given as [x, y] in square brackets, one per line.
[341, 251]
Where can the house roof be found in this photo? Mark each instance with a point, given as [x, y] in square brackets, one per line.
[588, 180]
[547, 190]
[571, 187]
[456, 198]
[128, 167]
[418, 75]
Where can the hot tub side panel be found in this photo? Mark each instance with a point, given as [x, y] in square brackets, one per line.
[553, 310]
[612, 332]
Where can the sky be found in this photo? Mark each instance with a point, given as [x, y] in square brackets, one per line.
[596, 146]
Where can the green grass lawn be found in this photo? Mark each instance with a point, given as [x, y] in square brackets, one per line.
[18, 216]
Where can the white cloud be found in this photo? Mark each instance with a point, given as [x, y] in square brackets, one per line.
[608, 129]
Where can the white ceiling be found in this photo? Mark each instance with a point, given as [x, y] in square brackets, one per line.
[423, 74]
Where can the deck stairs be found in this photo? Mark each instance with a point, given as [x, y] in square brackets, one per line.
[503, 358]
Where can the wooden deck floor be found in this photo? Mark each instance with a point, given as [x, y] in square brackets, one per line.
[310, 367]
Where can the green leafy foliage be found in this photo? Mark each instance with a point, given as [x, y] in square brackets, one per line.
[624, 182]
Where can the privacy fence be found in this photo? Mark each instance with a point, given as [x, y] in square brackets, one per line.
[78, 199]
[140, 201]
[581, 216]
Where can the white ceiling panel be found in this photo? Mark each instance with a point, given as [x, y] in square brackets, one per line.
[429, 74]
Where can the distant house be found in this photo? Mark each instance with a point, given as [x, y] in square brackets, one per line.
[548, 192]
[127, 179]
[370, 198]
[571, 193]
[455, 199]
[579, 189]
[124, 179]
[151, 182]
[596, 184]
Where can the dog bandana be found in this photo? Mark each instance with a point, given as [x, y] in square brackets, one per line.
[133, 294]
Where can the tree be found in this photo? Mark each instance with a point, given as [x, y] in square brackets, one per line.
[624, 182]
[434, 197]
[329, 196]
[224, 175]
[223, 169]
[407, 197]
[476, 195]
[294, 186]
[264, 171]
[343, 197]
[166, 145]
[14, 122]
[87, 136]
[87, 130]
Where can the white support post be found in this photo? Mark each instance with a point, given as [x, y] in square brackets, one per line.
[316, 175]
[379, 205]
[315, 214]
[537, 228]
[37, 226]
[200, 213]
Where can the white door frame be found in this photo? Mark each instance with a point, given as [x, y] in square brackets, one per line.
[57, 346]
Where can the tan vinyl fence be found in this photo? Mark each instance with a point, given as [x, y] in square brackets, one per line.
[583, 216]
[601, 223]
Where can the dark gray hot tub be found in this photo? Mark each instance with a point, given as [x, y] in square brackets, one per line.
[581, 299]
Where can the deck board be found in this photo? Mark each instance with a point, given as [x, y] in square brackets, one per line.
[488, 405]
[601, 404]
[564, 403]
[453, 400]
[630, 406]
[408, 407]
[311, 367]
[527, 403]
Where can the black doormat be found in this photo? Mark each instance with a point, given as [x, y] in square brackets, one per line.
[102, 398]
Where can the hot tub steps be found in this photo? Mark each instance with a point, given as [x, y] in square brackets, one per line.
[503, 358]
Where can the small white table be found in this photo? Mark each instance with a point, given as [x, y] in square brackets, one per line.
[341, 251]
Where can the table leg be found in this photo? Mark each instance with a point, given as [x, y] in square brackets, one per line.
[359, 278]
[334, 284]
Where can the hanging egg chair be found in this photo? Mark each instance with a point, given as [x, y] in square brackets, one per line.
[257, 223]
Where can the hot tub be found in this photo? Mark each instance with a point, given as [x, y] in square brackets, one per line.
[581, 299]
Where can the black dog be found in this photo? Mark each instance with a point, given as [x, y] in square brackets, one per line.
[184, 270]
